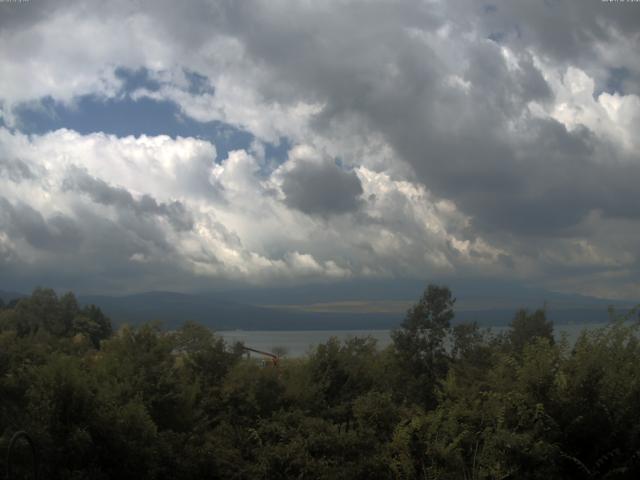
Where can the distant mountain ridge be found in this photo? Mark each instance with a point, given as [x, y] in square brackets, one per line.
[172, 309]
[8, 296]
[306, 308]
[473, 294]
[217, 312]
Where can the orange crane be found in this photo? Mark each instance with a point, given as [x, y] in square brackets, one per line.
[274, 358]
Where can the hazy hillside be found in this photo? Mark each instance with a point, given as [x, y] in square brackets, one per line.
[327, 307]
[174, 308]
[219, 313]
[8, 296]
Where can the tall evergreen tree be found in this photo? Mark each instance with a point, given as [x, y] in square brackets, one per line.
[420, 343]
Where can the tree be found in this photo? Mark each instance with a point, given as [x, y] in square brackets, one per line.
[92, 323]
[69, 309]
[525, 327]
[420, 342]
[41, 310]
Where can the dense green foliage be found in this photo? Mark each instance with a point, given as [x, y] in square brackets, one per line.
[442, 402]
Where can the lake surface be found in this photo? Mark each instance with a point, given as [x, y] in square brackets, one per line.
[300, 342]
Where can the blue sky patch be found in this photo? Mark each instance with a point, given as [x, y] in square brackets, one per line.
[496, 37]
[135, 79]
[617, 77]
[489, 8]
[124, 116]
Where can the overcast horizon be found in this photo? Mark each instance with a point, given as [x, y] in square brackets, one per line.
[195, 146]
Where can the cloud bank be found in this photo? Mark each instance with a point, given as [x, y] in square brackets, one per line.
[424, 139]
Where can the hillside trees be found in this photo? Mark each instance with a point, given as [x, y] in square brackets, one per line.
[441, 402]
[57, 317]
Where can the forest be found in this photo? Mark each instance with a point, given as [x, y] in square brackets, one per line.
[444, 401]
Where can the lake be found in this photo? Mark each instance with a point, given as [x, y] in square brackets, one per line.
[299, 342]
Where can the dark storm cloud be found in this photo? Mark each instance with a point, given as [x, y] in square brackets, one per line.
[564, 29]
[543, 185]
[539, 179]
[90, 252]
[15, 16]
[56, 233]
[103, 193]
[15, 170]
[344, 54]
[585, 33]
[321, 189]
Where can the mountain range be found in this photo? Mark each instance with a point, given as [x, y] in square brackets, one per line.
[375, 305]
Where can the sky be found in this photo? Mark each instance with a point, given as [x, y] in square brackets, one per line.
[193, 146]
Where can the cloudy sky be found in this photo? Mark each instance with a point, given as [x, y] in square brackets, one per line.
[188, 146]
